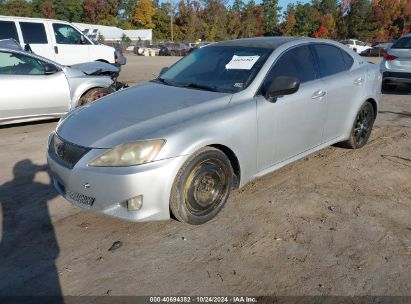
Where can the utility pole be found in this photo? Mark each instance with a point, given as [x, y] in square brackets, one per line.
[171, 20]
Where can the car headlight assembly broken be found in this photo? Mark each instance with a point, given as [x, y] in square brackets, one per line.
[130, 154]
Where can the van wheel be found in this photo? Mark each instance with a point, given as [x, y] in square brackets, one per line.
[201, 187]
[362, 127]
[94, 94]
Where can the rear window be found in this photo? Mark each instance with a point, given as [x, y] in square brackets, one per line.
[33, 33]
[402, 43]
[8, 30]
[347, 59]
[330, 59]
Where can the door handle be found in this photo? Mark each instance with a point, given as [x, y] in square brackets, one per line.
[359, 81]
[56, 50]
[318, 94]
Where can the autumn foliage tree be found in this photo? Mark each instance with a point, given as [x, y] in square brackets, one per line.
[144, 14]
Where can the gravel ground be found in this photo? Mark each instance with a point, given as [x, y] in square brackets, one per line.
[335, 223]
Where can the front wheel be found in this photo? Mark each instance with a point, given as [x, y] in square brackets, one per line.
[201, 187]
[362, 127]
[94, 94]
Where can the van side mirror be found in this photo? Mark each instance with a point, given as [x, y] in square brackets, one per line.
[281, 86]
[50, 69]
[27, 48]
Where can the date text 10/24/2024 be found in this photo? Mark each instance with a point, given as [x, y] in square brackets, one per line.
[203, 299]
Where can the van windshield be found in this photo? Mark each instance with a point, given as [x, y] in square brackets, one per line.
[217, 68]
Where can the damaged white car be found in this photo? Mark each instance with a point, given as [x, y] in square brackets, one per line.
[36, 88]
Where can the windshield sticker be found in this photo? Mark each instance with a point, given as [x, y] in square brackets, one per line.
[241, 62]
[238, 85]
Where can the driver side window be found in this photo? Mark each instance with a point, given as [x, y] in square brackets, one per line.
[297, 62]
[66, 34]
[18, 64]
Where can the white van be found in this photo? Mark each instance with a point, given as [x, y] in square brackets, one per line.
[54, 39]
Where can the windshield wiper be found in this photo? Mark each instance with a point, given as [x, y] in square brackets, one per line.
[199, 86]
[163, 81]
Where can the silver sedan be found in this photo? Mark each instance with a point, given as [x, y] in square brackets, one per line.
[217, 119]
[35, 88]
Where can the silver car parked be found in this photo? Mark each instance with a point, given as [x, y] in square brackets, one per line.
[35, 88]
[220, 117]
[396, 66]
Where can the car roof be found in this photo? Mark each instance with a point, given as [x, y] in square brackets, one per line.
[260, 42]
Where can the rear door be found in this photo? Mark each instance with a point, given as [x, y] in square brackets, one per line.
[70, 46]
[27, 91]
[34, 33]
[343, 86]
[402, 50]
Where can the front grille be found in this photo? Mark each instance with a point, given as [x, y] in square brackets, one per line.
[67, 154]
[82, 200]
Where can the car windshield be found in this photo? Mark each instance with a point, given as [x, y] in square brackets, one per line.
[217, 68]
[403, 43]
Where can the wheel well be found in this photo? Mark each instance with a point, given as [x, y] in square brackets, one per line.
[234, 162]
[102, 60]
[374, 105]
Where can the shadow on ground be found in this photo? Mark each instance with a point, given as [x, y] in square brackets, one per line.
[28, 247]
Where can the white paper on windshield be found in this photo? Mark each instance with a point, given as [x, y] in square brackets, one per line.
[241, 62]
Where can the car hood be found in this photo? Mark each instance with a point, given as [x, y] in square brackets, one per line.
[142, 112]
[95, 68]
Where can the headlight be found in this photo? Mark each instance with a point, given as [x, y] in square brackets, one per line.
[131, 154]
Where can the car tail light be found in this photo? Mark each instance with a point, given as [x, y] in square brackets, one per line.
[389, 57]
[121, 52]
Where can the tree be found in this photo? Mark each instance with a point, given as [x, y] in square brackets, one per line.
[271, 17]
[69, 10]
[144, 14]
[358, 20]
[388, 17]
[18, 8]
[47, 10]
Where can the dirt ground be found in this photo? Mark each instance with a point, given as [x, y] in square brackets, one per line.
[335, 223]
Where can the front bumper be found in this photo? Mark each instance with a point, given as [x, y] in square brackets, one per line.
[106, 190]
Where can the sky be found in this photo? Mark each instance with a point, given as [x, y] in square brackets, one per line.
[284, 3]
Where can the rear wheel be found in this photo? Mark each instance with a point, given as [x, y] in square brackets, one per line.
[94, 94]
[202, 186]
[362, 127]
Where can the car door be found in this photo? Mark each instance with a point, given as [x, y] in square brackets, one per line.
[35, 35]
[343, 85]
[70, 46]
[294, 123]
[27, 90]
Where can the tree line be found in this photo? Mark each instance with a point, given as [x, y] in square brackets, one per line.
[214, 20]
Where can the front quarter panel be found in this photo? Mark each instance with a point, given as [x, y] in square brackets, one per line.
[233, 127]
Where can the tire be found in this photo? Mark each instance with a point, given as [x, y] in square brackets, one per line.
[362, 127]
[201, 187]
[94, 94]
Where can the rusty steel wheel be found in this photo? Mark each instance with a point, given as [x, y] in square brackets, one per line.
[94, 94]
[202, 186]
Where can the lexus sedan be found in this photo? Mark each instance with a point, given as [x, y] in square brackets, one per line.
[396, 66]
[220, 117]
[35, 88]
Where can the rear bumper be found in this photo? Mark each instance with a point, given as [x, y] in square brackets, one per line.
[397, 77]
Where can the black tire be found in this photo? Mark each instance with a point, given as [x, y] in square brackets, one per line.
[201, 187]
[362, 127]
[93, 95]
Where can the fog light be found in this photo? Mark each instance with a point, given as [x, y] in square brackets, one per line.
[135, 203]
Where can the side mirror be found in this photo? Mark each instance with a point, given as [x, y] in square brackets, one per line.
[281, 86]
[83, 40]
[163, 70]
[27, 48]
[50, 69]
